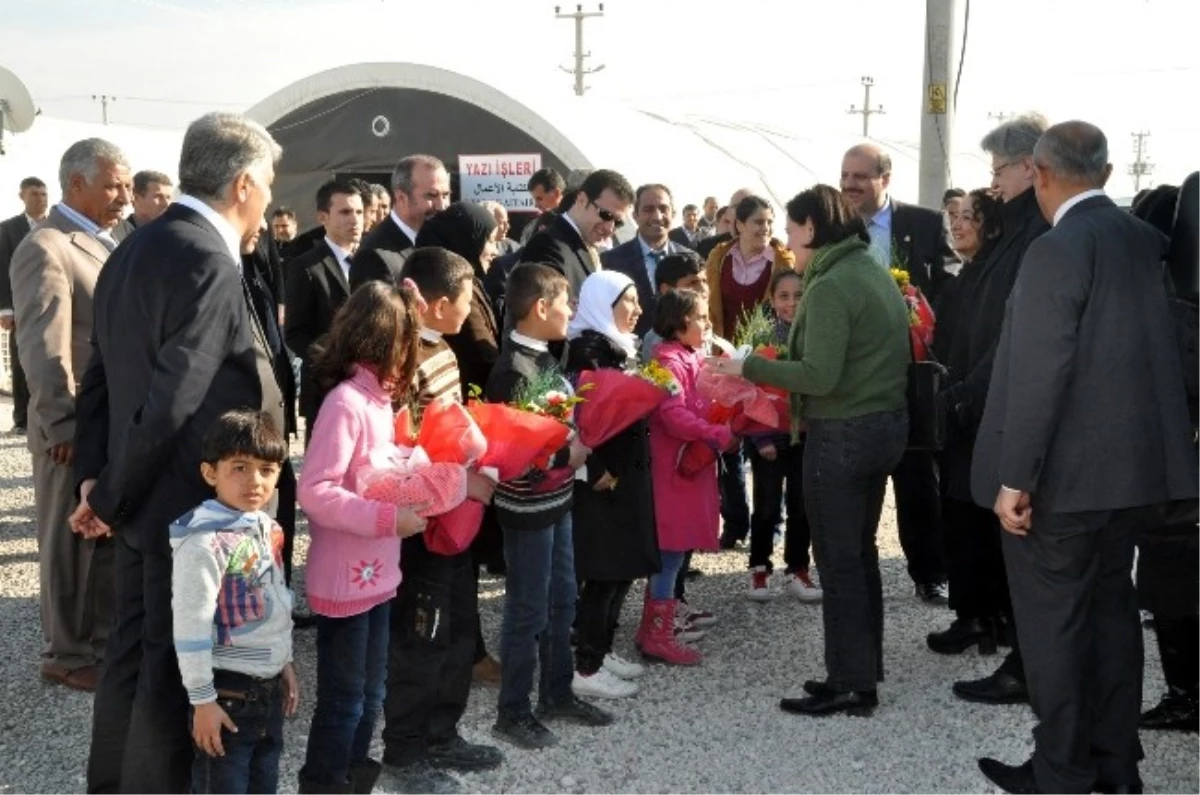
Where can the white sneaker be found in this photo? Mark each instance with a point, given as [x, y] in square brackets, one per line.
[621, 668]
[602, 684]
[699, 619]
[760, 585]
[801, 585]
[687, 633]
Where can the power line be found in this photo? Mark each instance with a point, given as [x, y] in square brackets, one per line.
[159, 100]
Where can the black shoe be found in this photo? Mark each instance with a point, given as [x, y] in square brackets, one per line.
[575, 710]
[417, 776]
[1009, 778]
[19, 430]
[1106, 788]
[524, 731]
[730, 541]
[962, 634]
[816, 687]
[1176, 711]
[692, 574]
[303, 620]
[860, 703]
[363, 776]
[999, 688]
[933, 593]
[458, 754]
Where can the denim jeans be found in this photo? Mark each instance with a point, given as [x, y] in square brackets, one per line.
[539, 608]
[662, 585]
[251, 760]
[731, 485]
[777, 483]
[846, 467]
[351, 673]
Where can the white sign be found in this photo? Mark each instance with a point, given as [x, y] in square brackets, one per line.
[499, 178]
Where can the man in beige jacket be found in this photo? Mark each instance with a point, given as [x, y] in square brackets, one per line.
[54, 273]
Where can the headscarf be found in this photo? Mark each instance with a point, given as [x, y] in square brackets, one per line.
[600, 293]
[464, 228]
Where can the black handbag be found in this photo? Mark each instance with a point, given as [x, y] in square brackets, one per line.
[926, 414]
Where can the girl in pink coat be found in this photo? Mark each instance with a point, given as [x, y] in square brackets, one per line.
[686, 507]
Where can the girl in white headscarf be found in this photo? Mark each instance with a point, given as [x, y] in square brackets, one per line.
[616, 541]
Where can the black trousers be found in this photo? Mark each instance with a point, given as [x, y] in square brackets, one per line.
[141, 740]
[596, 617]
[975, 562]
[778, 483]
[731, 486]
[435, 620]
[20, 387]
[918, 516]
[286, 516]
[1168, 578]
[1077, 619]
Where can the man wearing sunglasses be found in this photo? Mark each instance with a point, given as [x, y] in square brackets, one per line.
[568, 244]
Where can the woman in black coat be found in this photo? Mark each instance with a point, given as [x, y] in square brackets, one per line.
[616, 540]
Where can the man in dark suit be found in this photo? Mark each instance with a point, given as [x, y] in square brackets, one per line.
[688, 234]
[420, 188]
[176, 343]
[569, 244]
[320, 282]
[1085, 430]
[637, 259]
[913, 239]
[12, 232]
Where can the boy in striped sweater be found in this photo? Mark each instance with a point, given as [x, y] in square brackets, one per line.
[436, 613]
[540, 588]
[232, 611]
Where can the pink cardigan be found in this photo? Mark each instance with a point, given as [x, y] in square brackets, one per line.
[354, 557]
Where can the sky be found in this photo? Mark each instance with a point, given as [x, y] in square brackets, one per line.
[1126, 65]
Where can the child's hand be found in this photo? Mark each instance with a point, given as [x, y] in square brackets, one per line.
[480, 487]
[768, 452]
[207, 723]
[408, 521]
[579, 454]
[606, 482]
[291, 690]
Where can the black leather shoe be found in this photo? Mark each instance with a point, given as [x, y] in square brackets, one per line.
[1010, 778]
[458, 754]
[1106, 788]
[303, 620]
[524, 731]
[933, 593]
[860, 703]
[575, 710]
[815, 687]
[999, 688]
[1176, 711]
[962, 634]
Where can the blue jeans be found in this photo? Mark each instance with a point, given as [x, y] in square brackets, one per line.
[662, 585]
[846, 466]
[351, 673]
[539, 608]
[731, 485]
[251, 761]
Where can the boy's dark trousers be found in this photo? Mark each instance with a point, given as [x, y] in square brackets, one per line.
[251, 760]
[778, 483]
[432, 650]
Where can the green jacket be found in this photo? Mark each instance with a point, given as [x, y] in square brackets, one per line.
[848, 348]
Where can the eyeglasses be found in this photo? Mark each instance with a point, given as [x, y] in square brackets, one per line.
[607, 216]
[996, 171]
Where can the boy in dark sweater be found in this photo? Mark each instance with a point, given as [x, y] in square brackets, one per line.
[435, 615]
[539, 605]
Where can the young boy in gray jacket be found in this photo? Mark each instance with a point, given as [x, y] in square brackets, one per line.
[233, 612]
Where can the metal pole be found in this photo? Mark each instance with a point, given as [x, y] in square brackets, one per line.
[942, 25]
[580, 72]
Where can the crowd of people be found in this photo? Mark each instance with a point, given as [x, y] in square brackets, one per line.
[169, 357]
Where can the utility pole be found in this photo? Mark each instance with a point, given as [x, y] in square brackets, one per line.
[867, 111]
[1141, 167]
[104, 99]
[1001, 116]
[937, 101]
[579, 15]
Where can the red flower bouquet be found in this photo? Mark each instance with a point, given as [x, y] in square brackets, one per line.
[616, 400]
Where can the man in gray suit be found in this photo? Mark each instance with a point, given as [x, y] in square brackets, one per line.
[1084, 432]
[54, 273]
[654, 211]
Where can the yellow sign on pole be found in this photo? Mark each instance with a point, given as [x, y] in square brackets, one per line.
[937, 99]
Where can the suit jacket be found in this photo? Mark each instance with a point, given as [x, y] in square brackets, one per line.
[316, 289]
[705, 247]
[679, 236]
[54, 273]
[627, 258]
[12, 232]
[1086, 410]
[378, 256]
[921, 241]
[256, 267]
[477, 344]
[561, 247]
[173, 349]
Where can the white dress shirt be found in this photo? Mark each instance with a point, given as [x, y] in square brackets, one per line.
[408, 231]
[341, 255]
[1074, 200]
[233, 241]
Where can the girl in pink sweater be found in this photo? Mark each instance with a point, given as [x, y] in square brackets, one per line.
[354, 559]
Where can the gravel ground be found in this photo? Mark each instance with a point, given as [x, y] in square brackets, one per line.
[715, 728]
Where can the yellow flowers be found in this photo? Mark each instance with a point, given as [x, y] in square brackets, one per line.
[902, 278]
[658, 375]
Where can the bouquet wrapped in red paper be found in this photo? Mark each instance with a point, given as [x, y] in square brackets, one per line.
[517, 440]
[617, 399]
[921, 320]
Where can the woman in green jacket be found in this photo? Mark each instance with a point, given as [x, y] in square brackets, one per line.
[846, 372]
